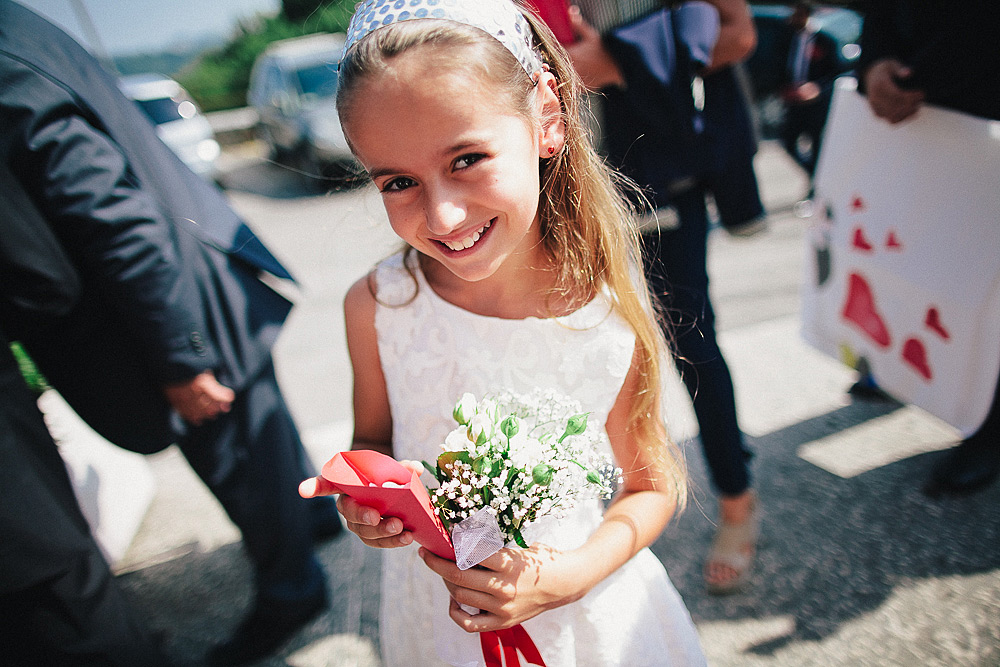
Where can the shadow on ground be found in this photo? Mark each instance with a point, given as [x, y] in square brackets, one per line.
[834, 549]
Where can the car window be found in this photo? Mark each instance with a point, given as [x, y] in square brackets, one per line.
[319, 80]
[165, 109]
[844, 26]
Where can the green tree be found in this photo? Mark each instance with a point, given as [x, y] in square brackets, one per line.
[219, 79]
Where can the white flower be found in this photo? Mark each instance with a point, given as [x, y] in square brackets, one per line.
[486, 465]
[481, 428]
[526, 451]
[464, 409]
[456, 441]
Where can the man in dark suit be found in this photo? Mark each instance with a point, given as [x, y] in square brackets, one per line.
[59, 603]
[945, 54]
[170, 341]
[811, 65]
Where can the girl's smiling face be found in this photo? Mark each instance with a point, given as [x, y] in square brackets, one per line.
[458, 173]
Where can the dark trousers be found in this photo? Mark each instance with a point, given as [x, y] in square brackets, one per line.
[805, 120]
[675, 264]
[252, 459]
[59, 603]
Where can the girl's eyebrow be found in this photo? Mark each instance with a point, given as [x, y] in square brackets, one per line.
[457, 148]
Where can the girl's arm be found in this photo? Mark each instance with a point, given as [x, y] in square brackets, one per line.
[372, 420]
[514, 585]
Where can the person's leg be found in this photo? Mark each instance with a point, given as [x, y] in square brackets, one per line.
[788, 133]
[78, 617]
[677, 270]
[974, 463]
[678, 275]
[59, 602]
[737, 196]
[253, 460]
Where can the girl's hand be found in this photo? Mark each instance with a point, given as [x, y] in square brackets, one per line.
[364, 521]
[374, 530]
[510, 586]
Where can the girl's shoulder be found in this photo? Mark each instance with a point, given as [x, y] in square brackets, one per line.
[394, 281]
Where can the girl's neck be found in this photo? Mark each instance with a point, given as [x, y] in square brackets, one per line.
[527, 291]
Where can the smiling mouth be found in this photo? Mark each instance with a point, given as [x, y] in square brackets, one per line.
[469, 241]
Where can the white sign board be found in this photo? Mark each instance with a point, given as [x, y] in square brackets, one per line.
[903, 268]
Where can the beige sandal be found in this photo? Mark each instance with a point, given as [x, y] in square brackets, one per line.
[729, 548]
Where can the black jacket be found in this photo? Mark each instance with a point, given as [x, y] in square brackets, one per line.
[952, 46]
[168, 271]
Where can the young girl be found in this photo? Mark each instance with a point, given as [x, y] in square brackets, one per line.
[520, 273]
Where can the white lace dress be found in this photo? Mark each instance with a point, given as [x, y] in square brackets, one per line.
[432, 352]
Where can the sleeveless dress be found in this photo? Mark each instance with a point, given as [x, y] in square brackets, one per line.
[431, 353]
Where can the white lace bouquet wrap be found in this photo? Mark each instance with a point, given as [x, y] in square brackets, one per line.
[512, 459]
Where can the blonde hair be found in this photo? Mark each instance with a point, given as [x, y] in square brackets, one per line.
[586, 223]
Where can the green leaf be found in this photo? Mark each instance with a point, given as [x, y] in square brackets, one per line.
[519, 539]
[483, 465]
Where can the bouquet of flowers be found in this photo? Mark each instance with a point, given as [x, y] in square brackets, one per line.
[513, 459]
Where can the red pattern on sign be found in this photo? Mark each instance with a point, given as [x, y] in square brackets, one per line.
[860, 309]
[933, 322]
[915, 354]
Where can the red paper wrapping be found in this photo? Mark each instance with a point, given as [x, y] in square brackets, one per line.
[360, 474]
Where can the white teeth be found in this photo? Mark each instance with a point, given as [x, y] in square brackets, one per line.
[470, 241]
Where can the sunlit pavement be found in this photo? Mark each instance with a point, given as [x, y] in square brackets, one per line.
[855, 566]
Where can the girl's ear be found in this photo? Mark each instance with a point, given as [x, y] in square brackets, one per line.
[552, 133]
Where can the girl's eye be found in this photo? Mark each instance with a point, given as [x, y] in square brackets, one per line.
[467, 161]
[397, 184]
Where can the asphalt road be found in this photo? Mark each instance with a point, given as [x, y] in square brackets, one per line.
[856, 567]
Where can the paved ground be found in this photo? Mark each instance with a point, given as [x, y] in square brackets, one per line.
[856, 567]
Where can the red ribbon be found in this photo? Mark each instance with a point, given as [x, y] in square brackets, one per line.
[500, 647]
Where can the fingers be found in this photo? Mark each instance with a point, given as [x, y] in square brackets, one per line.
[477, 588]
[200, 398]
[317, 486]
[413, 466]
[373, 529]
[885, 96]
[219, 393]
[581, 29]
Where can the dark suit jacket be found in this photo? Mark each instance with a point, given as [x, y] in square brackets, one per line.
[38, 284]
[658, 137]
[952, 47]
[821, 54]
[168, 271]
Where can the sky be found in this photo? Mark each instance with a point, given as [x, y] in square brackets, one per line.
[125, 27]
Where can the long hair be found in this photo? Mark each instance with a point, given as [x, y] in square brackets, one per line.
[586, 223]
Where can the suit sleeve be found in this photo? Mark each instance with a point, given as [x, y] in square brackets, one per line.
[116, 233]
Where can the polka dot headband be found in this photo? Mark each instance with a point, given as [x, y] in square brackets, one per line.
[498, 18]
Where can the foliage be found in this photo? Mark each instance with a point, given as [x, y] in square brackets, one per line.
[220, 78]
[36, 381]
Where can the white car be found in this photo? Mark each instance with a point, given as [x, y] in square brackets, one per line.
[179, 122]
[293, 88]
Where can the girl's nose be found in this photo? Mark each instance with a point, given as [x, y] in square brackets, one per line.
[445, 211]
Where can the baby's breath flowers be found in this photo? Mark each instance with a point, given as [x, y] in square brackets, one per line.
[519, 458]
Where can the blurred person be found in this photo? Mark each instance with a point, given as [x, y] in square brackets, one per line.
[946, 54]
[59, 602]
[170, 339]
[679, 173]
[807, 86]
